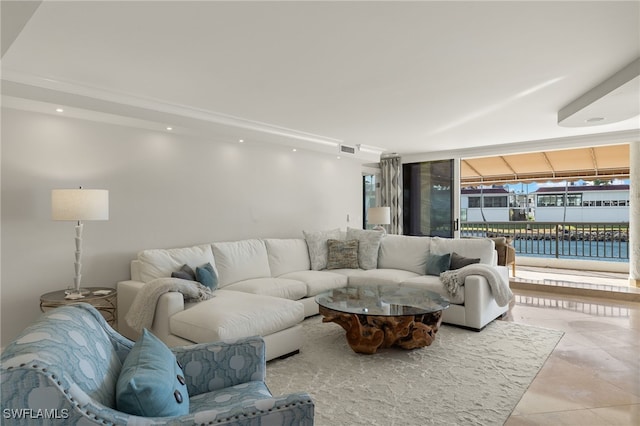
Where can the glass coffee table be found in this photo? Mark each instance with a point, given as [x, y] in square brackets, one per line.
[383, 316]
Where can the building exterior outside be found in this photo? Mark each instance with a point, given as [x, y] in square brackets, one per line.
[579, 203]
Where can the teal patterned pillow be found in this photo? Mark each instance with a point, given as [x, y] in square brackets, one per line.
[151, 383]
[206, 276]
[342, 254]
[437, 264]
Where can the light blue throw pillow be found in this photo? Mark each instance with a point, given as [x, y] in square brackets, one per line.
[437, 264]
[151, 383]
[206, 276]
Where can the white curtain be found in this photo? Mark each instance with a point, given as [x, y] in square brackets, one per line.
[391, 191]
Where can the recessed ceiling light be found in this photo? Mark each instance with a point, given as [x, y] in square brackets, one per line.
[169, 128]
[294, 150]
[594, 119]
[59, 110]
[338, 157]
[241, 140]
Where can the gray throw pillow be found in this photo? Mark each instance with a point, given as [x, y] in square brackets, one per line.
[317, 245]
[342, 254]
[437, 264]
[458, 261]
[368, 246]
[185, 273]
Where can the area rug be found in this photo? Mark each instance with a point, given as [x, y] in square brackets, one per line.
[463, 378]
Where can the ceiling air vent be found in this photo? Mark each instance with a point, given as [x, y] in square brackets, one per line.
[346, 149]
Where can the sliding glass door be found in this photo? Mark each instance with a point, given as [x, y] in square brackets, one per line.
[428, 198]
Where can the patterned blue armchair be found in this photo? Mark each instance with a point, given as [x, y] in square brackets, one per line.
[63, 369]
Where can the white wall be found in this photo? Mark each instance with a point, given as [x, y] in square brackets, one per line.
[583, 214]
[491, 214]
[165, 191]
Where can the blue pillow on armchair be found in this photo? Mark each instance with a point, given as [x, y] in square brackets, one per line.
[151, 383]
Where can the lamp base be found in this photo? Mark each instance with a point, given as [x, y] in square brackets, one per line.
[380, 228]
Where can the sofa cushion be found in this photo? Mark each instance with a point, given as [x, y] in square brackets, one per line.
[438, 263]
[317, 245]
[458, 261]
[233, 315]
[276, 287]
[368, 246]
[151, 383]
[159, 263]
[247, 394]
[433, 283]
[287, 255]
[318, 281]
[404, 252]
[468, 247]
[347, 272]
[241, 260]
[342, 254]
[380, 277]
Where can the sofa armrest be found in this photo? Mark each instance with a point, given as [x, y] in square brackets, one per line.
[212, 366]
[127, 291]
[168, 304]
[480, 305]
[510, 255]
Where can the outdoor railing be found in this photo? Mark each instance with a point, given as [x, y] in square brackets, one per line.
[595, 241]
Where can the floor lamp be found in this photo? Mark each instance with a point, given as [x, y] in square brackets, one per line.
[78, 205]
[379, 216]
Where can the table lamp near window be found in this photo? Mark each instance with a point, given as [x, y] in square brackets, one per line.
[78, 205]
[379, 216]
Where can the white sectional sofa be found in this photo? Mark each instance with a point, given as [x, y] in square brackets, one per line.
[267, 286]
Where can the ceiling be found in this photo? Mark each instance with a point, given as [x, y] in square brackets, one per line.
[601, 162]
[393, 77]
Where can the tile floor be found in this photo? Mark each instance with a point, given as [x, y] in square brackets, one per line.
[610, 285]
[593, 375]
[570, 277]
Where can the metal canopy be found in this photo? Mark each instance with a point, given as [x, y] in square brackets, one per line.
[601, 162]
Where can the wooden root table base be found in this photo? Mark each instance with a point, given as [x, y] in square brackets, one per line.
[367, 333]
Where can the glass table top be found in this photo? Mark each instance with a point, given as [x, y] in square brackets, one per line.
[382, 300]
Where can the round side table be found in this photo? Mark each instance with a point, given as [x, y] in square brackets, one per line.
[104, 301]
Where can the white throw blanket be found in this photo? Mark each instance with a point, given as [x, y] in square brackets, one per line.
[143, 308]
[453, 280]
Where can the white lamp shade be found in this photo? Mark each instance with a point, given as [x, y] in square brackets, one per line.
[379, 215]
[80, 204]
